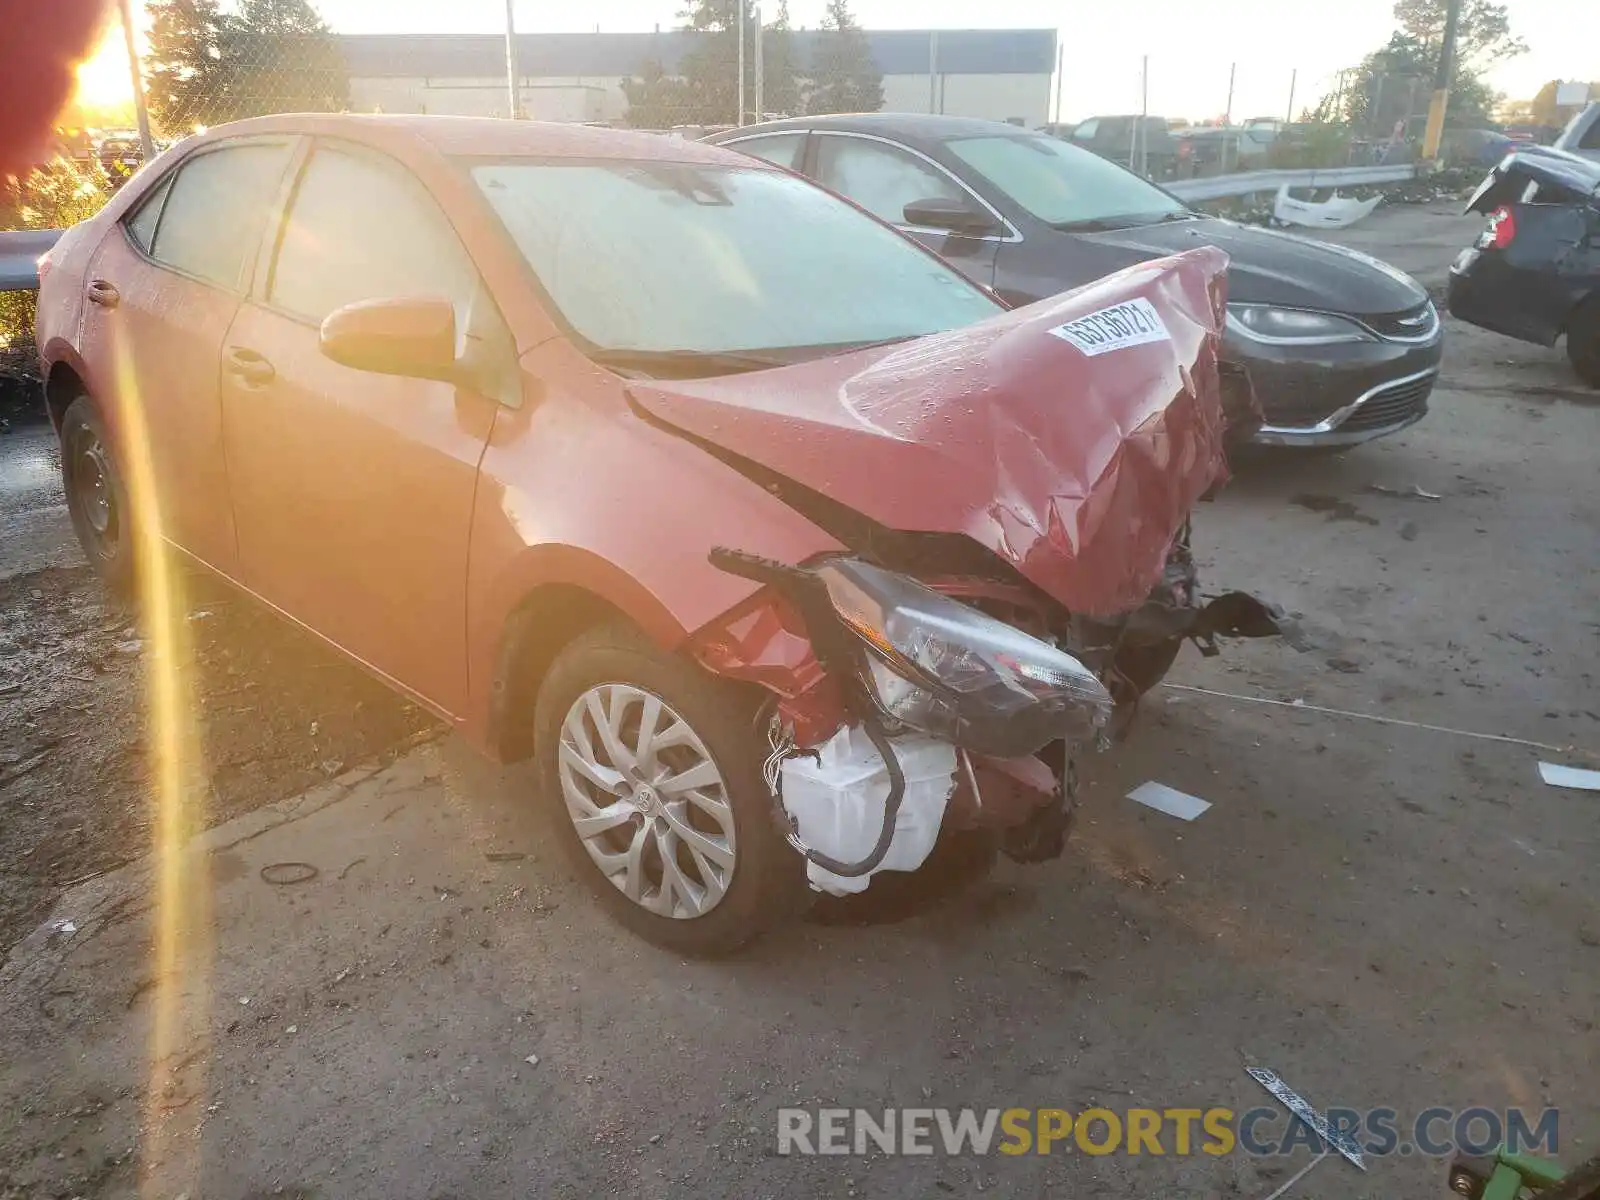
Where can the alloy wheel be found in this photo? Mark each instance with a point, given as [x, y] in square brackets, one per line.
[647, 800]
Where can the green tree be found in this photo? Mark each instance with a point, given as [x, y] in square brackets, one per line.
[1483, 31]
[780, 73]
[186, 79]
[707, 92]
[283, 59]
[657, 100]
[844, 78]
[207, 65]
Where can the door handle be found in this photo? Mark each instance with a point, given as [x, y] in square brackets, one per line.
[102, 293]
[249, 366]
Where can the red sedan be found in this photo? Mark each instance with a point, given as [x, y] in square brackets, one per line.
[786, 551]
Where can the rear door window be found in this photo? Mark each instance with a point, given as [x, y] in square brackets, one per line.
[215, 208]
[142, 225]
[779, 149]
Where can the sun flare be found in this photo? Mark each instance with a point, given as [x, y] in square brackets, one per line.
[103, 81]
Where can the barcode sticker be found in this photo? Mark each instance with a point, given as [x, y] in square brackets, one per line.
[1131, 323]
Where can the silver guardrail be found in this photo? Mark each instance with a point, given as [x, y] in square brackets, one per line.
[1246, 182]
[19, 257]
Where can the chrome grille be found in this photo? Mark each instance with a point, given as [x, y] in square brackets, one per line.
[1392, 405]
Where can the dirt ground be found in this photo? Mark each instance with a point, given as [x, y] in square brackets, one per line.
[1386, 915]
[278, 713]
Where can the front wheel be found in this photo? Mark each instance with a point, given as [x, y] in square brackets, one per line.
[651, 771]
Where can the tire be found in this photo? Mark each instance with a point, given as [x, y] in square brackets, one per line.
[1583, 342]
[735, 880]
[97, 497]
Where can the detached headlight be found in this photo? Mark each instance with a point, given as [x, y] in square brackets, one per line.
[951, 671]
[1293, 326]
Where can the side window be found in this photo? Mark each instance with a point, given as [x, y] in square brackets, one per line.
[1086, 131]
[1591, 136]
[211, 221]
[779, 149]
[142, 225]
[363, 228]
[880, 178]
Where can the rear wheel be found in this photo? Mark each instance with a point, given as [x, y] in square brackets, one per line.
[1583, 342]
[97, 496]
[650, 769]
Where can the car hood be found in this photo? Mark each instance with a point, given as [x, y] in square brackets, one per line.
[1076, 465]
[1269, 267]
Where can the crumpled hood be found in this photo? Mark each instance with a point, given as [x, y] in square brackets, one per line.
[1073, 451]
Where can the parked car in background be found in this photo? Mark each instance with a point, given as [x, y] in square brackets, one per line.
[1582, 134]
[1130, 141]
[119, 155]
[545, 427]
[1534, 272]
[1337, 348]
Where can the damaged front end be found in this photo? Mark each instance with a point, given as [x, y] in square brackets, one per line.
[1017, 570]
[902, 706]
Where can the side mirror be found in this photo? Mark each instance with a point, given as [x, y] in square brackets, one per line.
[415, 338]
[955, 215]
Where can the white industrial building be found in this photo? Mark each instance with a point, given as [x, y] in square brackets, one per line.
[1002, 74]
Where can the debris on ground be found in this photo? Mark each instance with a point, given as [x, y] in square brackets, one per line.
[1169, 800]
[1411, 493]
[1569, 777]
[1336, 212]
[1301, 1108]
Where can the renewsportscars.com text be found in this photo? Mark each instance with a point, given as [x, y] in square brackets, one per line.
[1435, 1132]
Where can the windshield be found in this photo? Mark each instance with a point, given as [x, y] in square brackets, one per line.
[1064, 185]
[652, 258]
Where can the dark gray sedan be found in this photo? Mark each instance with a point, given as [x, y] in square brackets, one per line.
[1337, 347]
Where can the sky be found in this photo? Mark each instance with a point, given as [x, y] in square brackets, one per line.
[1190, 45]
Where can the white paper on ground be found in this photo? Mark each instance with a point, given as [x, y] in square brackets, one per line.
[1569, 777]
[1169, 800]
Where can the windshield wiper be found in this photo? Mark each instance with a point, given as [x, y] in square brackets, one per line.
[1123, 221]
[687, 363]
[1091, 225]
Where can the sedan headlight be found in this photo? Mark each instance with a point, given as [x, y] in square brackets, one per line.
[1293, 326]
[955, 673]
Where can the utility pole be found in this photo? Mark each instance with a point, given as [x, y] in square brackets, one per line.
[933, 70]
[513, 92]
[742, 4]
[1061, 76]
[1294, 78]
[1441, 82]
[1227, 115]
[761, 68]
[1144, 117]
[147, 146]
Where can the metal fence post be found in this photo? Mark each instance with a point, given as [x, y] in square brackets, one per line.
[136, 76]
[513, 91]
[740, 25]
[761, 68]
